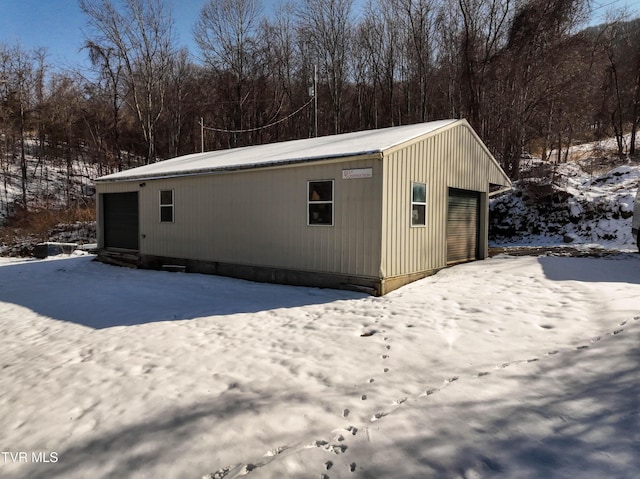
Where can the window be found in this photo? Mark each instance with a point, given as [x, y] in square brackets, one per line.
[418, 204]
[166, 206]
[320, 203]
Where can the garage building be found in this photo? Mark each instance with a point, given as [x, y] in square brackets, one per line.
[370, 210]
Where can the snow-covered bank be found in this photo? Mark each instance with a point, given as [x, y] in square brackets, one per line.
[574, 203]
[524, 367]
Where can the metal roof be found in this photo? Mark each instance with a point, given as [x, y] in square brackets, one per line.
[296, 151]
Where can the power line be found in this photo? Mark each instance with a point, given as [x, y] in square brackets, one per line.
[249, 130]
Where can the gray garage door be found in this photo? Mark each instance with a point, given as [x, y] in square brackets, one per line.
[120, 220]
[463, 218]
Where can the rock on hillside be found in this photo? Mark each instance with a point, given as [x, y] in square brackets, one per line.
[584, 201]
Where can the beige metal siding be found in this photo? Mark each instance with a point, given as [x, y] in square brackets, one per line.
[259, 218]
[450, 157]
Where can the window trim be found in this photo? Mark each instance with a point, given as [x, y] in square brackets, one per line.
[321, 202]
[417, 203]
[167, 205]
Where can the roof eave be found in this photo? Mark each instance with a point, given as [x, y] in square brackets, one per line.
[237, 168]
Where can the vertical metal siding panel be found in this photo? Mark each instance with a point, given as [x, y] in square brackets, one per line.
[421, 256]
[148, 226]
[400, 233]
[259, 218]
[420, 245]
[397, 215]
[434, 205]
[435, 184]
[443, 163]
[401, 201]
[416, 233]
[393, 220]
[451, 158]
[290, 242]
[385, 221]
[390, 199]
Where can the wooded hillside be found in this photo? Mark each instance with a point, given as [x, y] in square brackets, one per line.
[526, 74]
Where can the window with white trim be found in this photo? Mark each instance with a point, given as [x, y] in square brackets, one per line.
[320, 203]
[166, 206]
[418, 204]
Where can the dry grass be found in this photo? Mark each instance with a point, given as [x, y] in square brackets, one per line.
[38, 223]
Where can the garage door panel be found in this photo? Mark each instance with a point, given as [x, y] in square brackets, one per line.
[462, 225]
[120, 220]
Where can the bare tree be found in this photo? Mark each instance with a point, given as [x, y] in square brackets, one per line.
[380, 53]
[227, 34]
[109, 81]
[539, 69]
[484, 29]
[418, 19]
[180, 104]
[17, 79]
[65, 121]
[141, 36]
[328, 26]
[286, 70]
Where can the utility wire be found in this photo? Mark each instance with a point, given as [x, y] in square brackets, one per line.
[249, 130]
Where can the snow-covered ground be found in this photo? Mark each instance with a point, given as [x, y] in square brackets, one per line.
[518, 367]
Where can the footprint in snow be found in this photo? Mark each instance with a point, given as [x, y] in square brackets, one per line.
[450, 380]
[384, 356]
[335, 448]
[378, 415]
[352, 467]
[345, 412]
[618, 331]
[275, 451]
[584, 346]
[480, 374]
[386, 370]
[328, 465]
[219, 474]
[246, 469]
[623, 323]
[367, 333]
[353, 430]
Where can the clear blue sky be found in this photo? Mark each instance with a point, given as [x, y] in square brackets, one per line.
[58, 24]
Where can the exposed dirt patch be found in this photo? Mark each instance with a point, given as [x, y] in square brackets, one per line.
[582, 252]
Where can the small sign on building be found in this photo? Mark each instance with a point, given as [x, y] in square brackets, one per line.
[357, 173]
